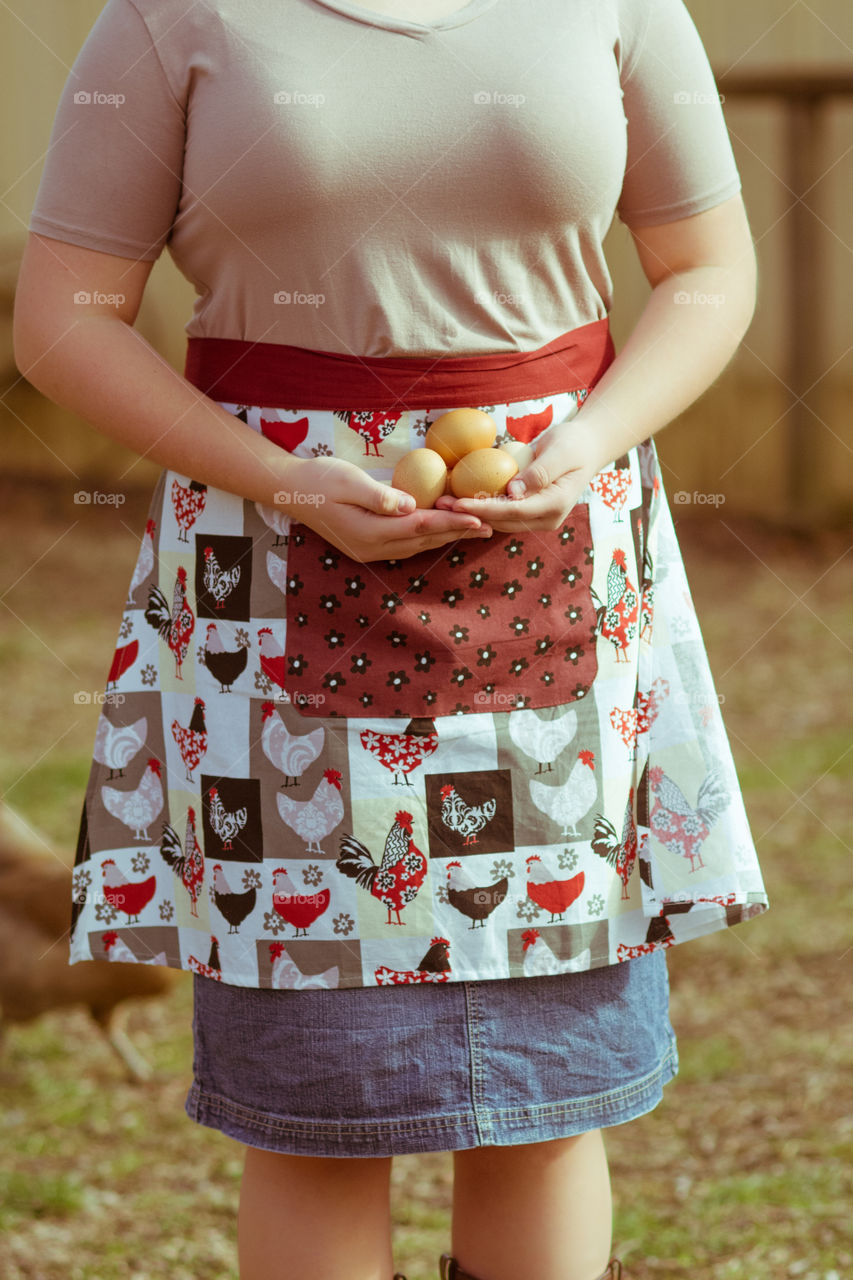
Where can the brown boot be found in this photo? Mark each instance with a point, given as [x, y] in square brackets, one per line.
[449, 1269]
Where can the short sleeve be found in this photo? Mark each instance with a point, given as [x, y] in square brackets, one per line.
[112, 174]
[680, 159]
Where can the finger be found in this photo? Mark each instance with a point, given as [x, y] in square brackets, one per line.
[402, 548]
[381, 499]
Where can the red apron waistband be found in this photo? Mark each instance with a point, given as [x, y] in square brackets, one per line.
[278, 376]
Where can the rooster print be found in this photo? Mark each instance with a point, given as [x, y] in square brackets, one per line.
[117, 744]
[225, 665]
[192, 740]
[373, 425]
[285, 973]
[475, 902]
[315, 819]
[187, 862]
[680, 827]
[298, 909]
[395, 880]
[188, 502]
[632, 721]
[570, 802]
[620, 853]
[612, 485]
[219, 582]
[144, 562]
[548, 892]
[226, 825]
[123, 659]
[434, 967]
[290, 753]
[402, 753]
[131, 897]
[175, 626]
[617, 620]
[138, 808]
[465, 819]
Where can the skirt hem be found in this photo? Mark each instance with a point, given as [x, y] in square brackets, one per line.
[489, 1126]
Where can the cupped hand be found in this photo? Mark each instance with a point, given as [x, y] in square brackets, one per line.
[362, 517]
[543, 493]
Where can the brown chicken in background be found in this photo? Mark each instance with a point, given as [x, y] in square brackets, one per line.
[35, 976]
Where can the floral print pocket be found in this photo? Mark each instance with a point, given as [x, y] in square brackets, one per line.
[477, 626]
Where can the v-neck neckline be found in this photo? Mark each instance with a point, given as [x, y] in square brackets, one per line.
[389, 22]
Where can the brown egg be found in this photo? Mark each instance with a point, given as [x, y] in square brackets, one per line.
[423, 474]
[482, 473]
[460, 431]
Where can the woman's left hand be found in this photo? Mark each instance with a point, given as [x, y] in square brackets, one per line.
[564, 463]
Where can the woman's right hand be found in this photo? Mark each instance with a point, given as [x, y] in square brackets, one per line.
[360, 516]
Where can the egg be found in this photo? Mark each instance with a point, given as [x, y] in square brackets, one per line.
[459, 431]
[522, 452]
[423, 474]
[482, 473]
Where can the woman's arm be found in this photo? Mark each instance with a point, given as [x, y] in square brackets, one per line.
[88, 357]
[702, 271]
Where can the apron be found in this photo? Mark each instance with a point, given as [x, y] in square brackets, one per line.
[500, 758]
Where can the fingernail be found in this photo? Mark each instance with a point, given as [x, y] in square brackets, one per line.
[517, 488]
[406, 502]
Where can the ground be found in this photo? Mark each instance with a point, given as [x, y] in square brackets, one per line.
[746, 1168]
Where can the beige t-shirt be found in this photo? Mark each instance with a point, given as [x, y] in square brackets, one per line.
[348, 181]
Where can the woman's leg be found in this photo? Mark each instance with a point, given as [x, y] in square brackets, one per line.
[314, 1216]
[539, 1209]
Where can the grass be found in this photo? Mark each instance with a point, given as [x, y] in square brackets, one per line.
[744, 1172]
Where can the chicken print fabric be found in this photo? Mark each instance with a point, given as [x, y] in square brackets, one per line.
[498, 759]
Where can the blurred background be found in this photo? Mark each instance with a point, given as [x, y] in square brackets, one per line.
[746, 1170]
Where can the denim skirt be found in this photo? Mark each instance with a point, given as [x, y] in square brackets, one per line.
[381, 1071]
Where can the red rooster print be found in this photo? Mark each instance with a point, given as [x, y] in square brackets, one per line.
[176, 628]
[125, 895]
[548, 892]
[618, 854]
[675, 822]
[617, 620]
[612, 485]
[123, 659]
[435, 967]
[373, 425]
[213, 968]
[401, 753]
[192, 741]
[530, 425]
[188, 502]
[271, 656]
[396, 880]
[298, 909]
[632, 721]
[188, 863]
[287, 435]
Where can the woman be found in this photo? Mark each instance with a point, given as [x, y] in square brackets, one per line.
[420, 796]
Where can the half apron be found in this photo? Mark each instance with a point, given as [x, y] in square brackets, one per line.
[500, 758]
